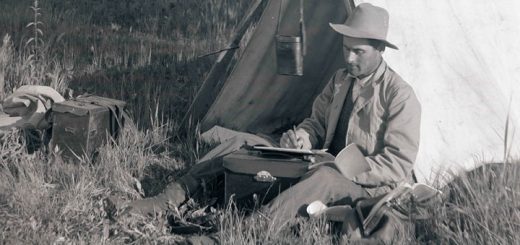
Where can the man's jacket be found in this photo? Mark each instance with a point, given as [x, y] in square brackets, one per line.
[384, 123]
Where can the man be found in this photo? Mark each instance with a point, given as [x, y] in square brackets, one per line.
[366, 104]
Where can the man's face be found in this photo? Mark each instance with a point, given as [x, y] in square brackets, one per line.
[362, 59]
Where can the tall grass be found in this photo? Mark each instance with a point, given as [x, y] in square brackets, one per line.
[144, 52]
[32, 61]
[44, 199]
[236, 228]
[481, 207]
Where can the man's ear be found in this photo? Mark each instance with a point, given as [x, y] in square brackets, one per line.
[381, 47]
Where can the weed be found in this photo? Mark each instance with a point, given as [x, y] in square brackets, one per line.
[6, 54]
[36, 41]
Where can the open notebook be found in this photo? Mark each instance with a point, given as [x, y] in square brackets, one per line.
[283, 150]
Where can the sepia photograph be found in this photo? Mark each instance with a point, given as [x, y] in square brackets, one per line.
[259, 122]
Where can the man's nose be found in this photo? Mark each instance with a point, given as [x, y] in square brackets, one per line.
[350, 57]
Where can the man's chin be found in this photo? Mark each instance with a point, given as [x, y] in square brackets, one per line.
[353, 71]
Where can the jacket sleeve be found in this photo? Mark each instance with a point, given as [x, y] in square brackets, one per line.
[316, 124]
[401, 141]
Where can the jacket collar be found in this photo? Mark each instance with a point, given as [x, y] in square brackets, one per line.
[366, 93]
[361, 81]
[374, 76]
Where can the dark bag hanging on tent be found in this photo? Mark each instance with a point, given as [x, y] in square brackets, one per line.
[255, 177]
[290, 49]
[81, 125]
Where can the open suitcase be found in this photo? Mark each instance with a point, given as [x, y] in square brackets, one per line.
[254, 177]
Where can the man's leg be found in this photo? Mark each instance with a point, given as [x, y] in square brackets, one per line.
[207, 169]
[178, 192]
[325, 184]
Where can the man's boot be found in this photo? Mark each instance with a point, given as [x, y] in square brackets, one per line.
[173, 195]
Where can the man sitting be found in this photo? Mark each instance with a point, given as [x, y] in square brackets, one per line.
[366, 103]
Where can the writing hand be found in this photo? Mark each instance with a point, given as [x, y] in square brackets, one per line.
[298, 139]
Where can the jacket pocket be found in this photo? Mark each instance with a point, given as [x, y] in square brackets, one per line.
[374, 132]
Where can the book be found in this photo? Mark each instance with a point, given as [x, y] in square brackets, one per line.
[404, 201]
[349, 162]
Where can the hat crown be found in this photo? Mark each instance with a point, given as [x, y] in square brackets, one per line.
[366, 21]
[370, 19]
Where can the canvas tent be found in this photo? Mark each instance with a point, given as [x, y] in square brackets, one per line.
[253, 97]
[459, 56]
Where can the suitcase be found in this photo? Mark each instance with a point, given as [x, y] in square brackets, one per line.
[81, 125]
[253, 177]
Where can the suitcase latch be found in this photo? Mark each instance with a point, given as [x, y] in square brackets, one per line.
[264, 176]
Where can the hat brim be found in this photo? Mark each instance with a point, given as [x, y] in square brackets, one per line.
[351, 32]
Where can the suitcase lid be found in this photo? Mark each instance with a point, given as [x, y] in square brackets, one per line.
[252, 162]
[84, 104]
[94, 99]
[77, 108]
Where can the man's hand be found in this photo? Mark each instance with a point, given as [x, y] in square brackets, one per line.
[298, 139]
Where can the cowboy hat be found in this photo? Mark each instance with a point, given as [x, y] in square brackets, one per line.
[366, 21]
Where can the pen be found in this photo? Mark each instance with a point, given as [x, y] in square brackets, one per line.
[298, 142]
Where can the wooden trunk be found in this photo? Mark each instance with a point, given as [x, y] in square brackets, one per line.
[81, 126]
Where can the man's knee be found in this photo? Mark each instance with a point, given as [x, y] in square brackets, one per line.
[325, 172]
[343, 191]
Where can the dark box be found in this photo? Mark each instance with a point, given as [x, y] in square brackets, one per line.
[80, 126]
[252, 177]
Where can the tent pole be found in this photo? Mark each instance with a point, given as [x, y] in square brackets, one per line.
[349, 6]
[215, 79]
